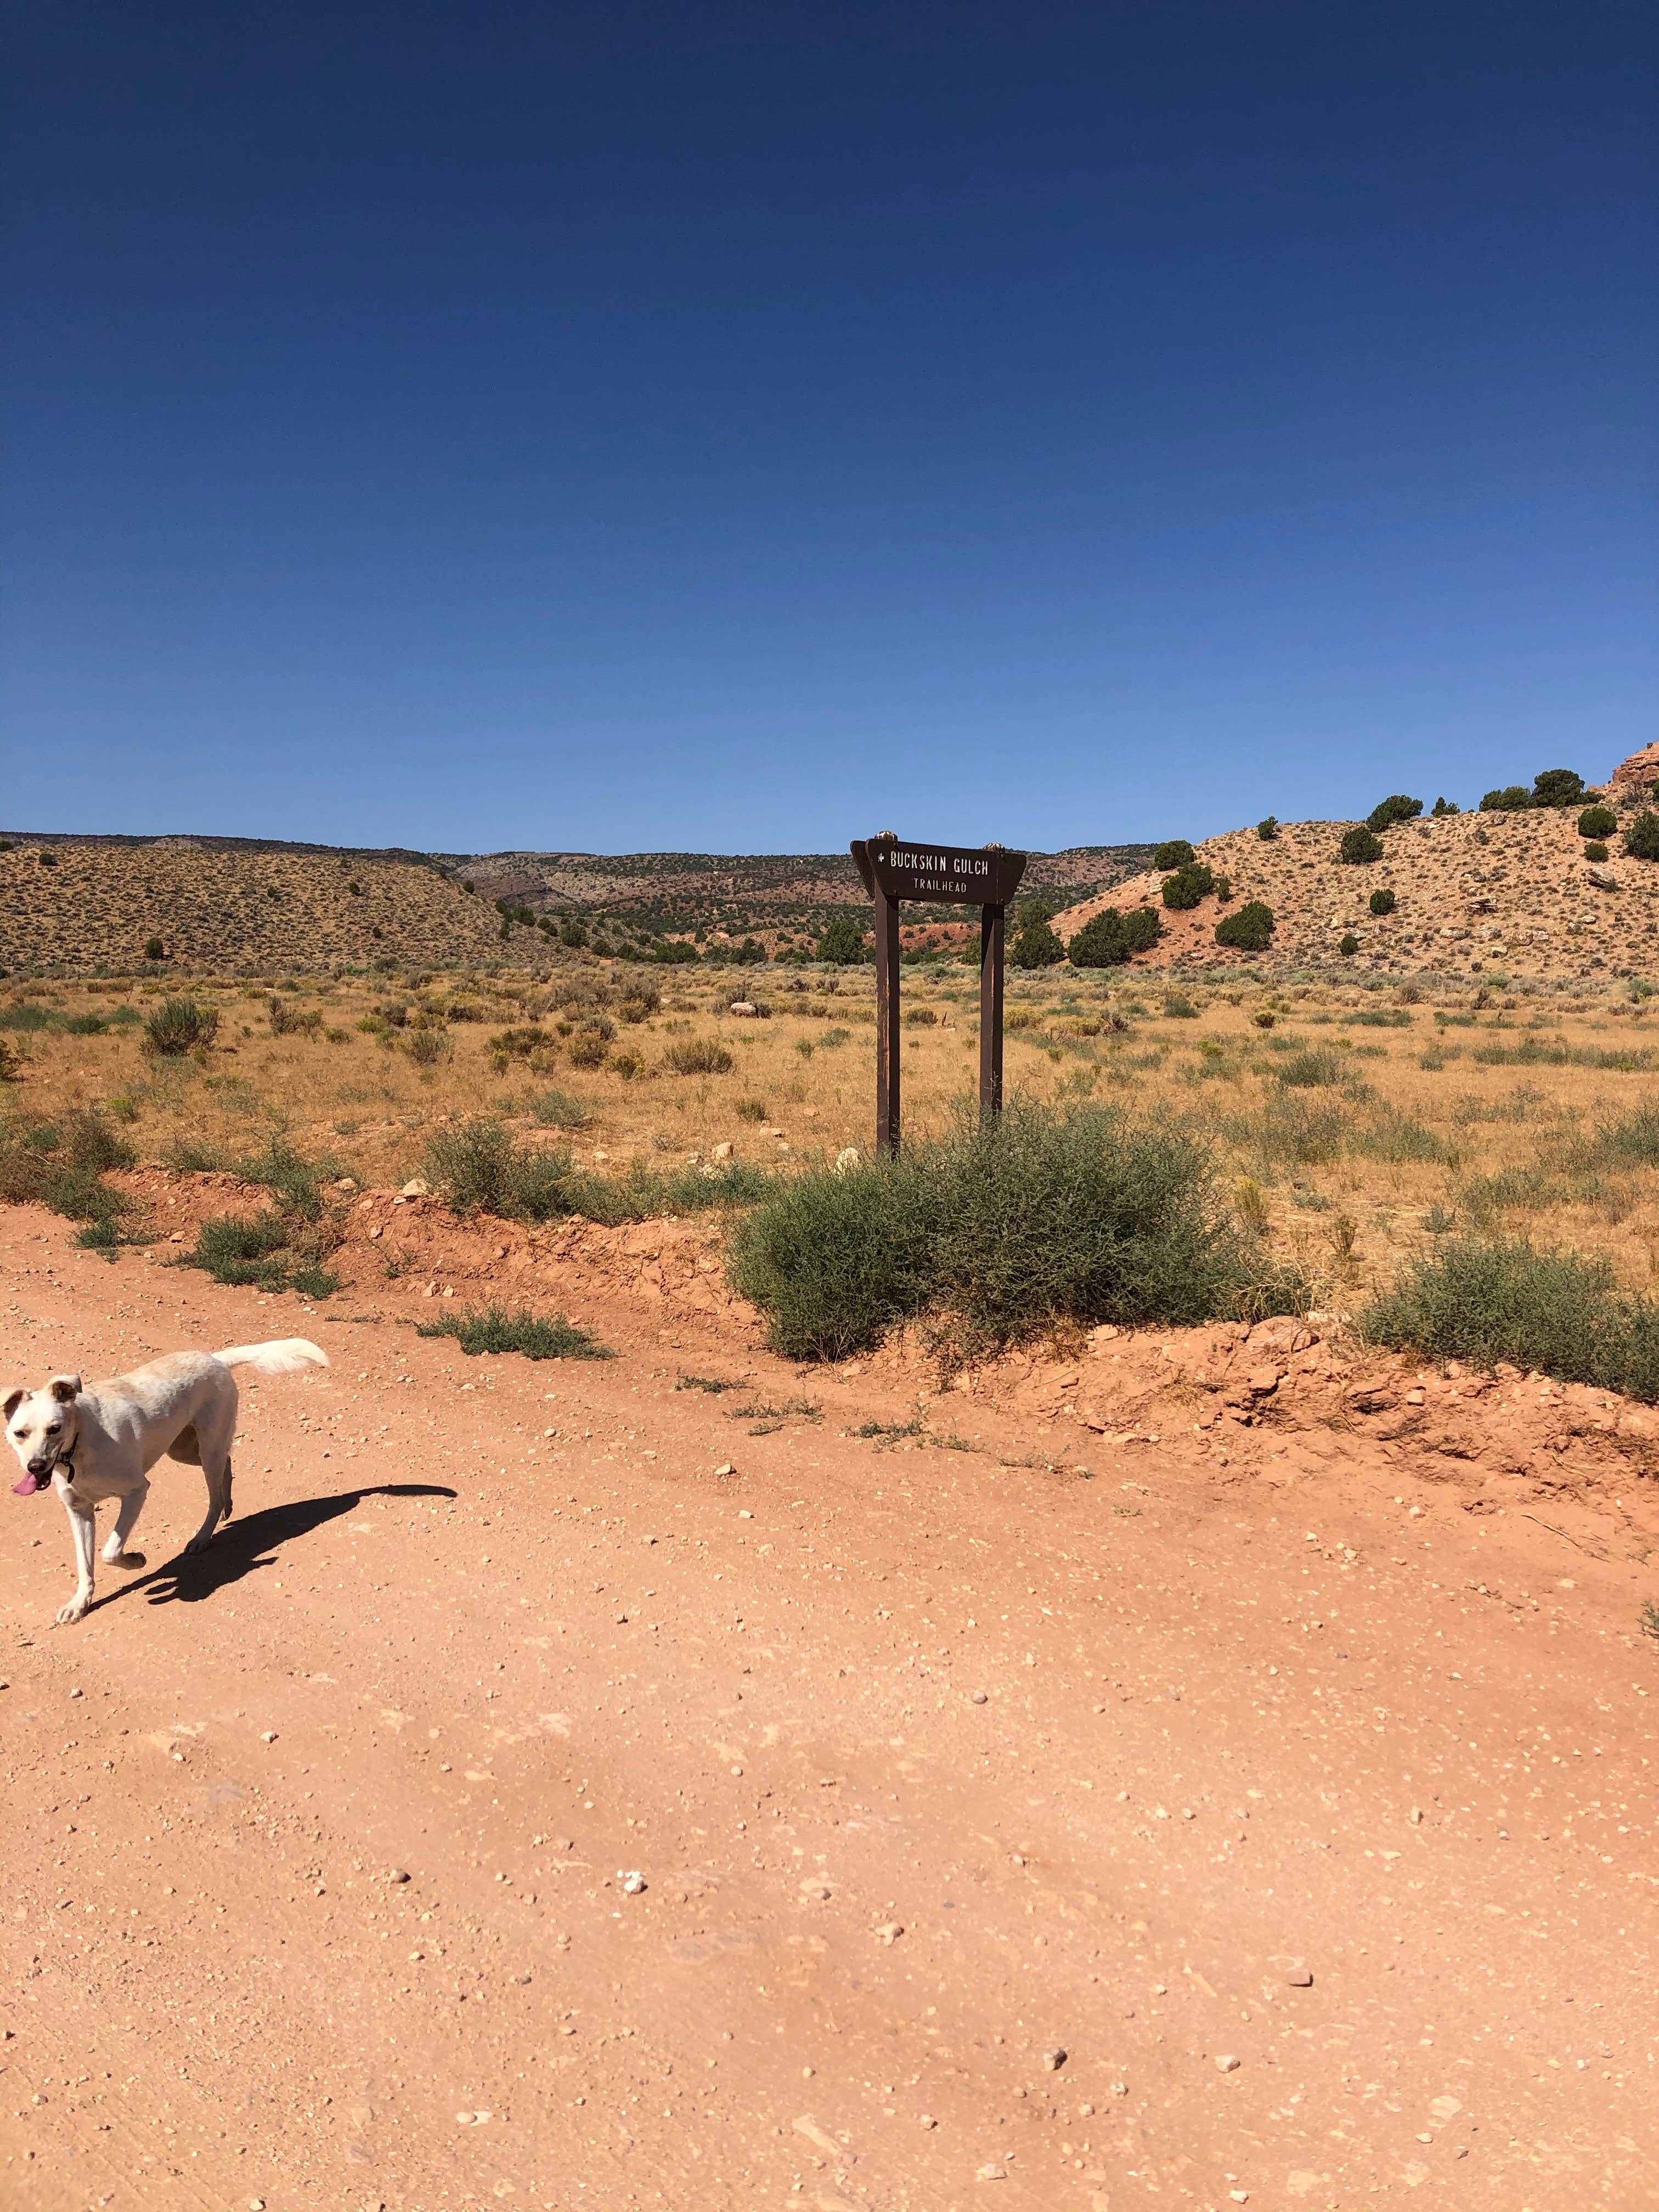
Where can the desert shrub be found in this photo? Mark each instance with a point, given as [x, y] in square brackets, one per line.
[1397, 1139]
[1002, 1231]
[519, 1043]
[153, 949]
[1296, 1132]
[642, 1194]
[557, 1109]
[1249, 930]
[1189, 884]
[752, 1109]
[1535, 1052]
[60, 1164]
[1110, 938]
[90, 1145]
[1558, 787]
[1446, 806]
[495, 1328]
[1597, 822]
[638, 1001]
[11, 1064]
[295, 1182]
[627, 1065]
[1513, 798]
[590, 1048]
[1309, 1070]
[1036, 945]
[261, 1251]
[1359, 846]
[480, 1169]
[287, 1020]
[178, 1026]
[1177, 1007]
[1382, 901]
[920, 1017]
[1268, 828]
[429, 1045]
[1172, 853]
[1398, 808]
[842, 942]
[1595, 852]
[1349, 945]
[1642, 838]
[1487, 1299]
[1633, 1142]
[698, 1056]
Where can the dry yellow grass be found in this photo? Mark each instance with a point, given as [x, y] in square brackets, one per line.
[1407, 1117]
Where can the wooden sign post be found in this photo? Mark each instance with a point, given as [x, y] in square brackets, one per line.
[937, 875]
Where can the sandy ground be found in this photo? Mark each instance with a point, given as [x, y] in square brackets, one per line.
[1316, 1832]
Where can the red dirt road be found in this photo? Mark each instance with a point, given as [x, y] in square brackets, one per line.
[1233, 1733]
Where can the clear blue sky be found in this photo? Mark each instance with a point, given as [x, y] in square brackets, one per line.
[625, 428]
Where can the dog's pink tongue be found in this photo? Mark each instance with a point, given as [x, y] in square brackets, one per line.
[28, 1485]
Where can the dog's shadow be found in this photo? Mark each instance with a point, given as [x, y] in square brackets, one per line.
[240, 1546]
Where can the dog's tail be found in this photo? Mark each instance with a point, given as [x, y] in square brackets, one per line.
[284, 1355]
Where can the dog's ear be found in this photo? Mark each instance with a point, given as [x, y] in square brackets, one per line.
[14, 1399]
[65, 1388]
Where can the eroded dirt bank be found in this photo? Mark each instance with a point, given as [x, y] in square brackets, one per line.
[1291, 1774]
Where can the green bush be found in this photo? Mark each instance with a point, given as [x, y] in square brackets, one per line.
[1382, 901]
[1268, 828]
[1110, 937]
[480, 1169]
[1484, 1300]
[752, 953]
[1309, 1071]
[493, 1328]
[1595, 852]
[557, 1109]
[842, 942]
[1036, 945]
[1003, 1232]
[1558, 787]
[698, 1056]
[60, 1164]
[153, 949]
[1349, 945]
[261, 1251]
[1513, 798]
[1642, 838]
[1189, 884]
[178, 1026]
[1249, 930]
[1446, 806]
[1359, 846]
[1398, 808]
[1172, 853]
[1597, 822]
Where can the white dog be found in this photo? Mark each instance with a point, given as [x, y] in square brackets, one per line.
[101, 1442]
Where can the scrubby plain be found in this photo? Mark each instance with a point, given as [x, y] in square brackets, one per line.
[1353, 1126]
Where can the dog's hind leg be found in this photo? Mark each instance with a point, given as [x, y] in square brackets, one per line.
[216, 1468]
[115, 1550]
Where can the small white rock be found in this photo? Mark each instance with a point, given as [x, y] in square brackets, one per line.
[1228, 2063]
[632, 1881]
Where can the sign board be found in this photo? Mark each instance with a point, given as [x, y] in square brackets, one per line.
[939, 875]
[985, 876]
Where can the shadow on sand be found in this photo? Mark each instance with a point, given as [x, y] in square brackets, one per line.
[240, 1546]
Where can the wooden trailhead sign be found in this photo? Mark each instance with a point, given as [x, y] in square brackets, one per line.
[985, 876]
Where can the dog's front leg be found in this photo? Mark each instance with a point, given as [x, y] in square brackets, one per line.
[132, 1506]
[83, 1527]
